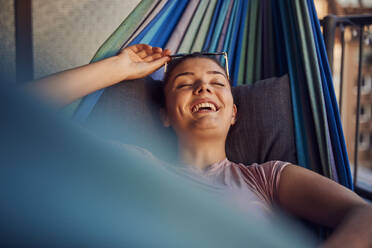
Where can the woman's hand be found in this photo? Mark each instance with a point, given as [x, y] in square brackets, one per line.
[140, 60]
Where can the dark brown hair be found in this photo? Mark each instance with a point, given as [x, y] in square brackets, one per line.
[175, 62]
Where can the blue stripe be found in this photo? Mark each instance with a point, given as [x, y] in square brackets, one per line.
[218, 29]
[226, 42]
[234, 39]
[235, 63]
[158, 24]
[161, 37]
[281, 62]
[212, 25]
[334, 121]
[295, 93]
[88, 102]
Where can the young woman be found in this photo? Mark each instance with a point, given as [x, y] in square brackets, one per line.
[199, 107]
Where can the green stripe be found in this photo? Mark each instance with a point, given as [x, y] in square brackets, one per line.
[192, 29]
[249, 77]
[312, 75]
[243, 52]
[218, 29]
[204, 26]
[149, 17]
[258, 50]
[113, 44]
[158, 24]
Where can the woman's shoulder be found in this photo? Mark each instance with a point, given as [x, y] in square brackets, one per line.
[266, 166]
[264, 176]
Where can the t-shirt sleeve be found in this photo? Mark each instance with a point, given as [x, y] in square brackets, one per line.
[266, 178]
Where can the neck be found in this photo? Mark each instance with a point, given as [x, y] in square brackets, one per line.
[201, 153]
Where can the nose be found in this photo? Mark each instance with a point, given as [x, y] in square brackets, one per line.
[202, 87]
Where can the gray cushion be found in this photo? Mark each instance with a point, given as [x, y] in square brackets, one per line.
[263, 131]
[132, 107]
[264, 128]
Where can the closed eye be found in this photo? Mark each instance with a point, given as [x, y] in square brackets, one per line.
[180, 86]
[218, 84]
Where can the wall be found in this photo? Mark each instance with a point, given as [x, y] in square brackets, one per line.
[66, 33]
[7, 39]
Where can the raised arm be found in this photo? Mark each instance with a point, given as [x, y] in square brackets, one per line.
[133, 62]
[318, 199]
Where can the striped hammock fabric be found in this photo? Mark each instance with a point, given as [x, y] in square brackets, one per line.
[263, 38]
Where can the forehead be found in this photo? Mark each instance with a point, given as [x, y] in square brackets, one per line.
[197, 65]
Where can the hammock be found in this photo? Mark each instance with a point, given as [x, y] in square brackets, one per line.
[263, 39]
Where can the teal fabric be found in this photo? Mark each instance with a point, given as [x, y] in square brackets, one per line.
[153, 13]
[297, 114]
[151, 33]
[198, 43]
[243, 51]
[192, 29]
[212, 25]
[88, 102]
[226, 25]
[238, 53]
[114, 42]
[338, 141]
[219, 25]
[258, 47]
[229, 35]
[252, 31]
[179, 31]
[234, 41]
[315, 89]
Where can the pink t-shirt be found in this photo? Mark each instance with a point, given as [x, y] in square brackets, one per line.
[248, 187]
[256, 184]
[263, 179]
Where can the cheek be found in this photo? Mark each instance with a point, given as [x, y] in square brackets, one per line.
[175, 103]
[226, 97]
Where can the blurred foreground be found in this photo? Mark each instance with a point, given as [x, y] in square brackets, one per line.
[61, 186]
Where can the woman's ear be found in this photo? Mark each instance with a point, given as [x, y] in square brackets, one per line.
[235, 111]
[164, 117]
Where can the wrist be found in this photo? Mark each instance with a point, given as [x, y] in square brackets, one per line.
[119, 68]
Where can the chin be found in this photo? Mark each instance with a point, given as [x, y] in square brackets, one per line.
[205, 124]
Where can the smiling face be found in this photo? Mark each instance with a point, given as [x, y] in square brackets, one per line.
[198, 100]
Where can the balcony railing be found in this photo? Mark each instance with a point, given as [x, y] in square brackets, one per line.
[333, 25]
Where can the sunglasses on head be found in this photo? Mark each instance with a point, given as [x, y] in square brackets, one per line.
[224, 54]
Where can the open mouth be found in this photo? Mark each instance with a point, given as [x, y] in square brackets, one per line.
[204, 107]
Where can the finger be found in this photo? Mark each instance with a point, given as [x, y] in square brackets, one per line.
[142, 54]
[147, 51]
[156, 53]
[156, 64]
[167, 52]
[141, 50]
[157, 50]
[138, 47]
[153, 57]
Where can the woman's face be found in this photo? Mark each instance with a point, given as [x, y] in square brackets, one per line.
[199, 100]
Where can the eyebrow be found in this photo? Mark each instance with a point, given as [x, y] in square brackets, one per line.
[191, 73]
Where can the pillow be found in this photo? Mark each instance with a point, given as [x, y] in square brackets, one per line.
[264, 129]
[129, 112]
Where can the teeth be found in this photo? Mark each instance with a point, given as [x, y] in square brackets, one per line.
[204, 105]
